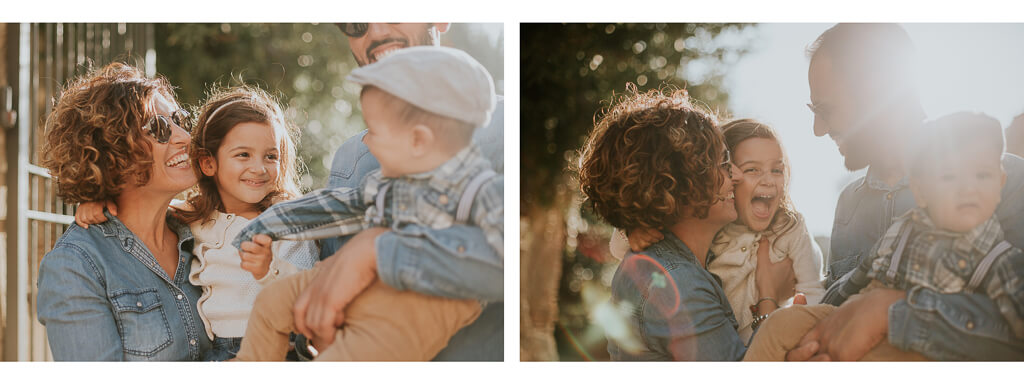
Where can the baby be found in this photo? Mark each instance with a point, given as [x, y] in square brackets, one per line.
[421, 106]
[952, 242]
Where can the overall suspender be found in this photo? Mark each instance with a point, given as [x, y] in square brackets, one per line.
[979, 272]
[465, 201]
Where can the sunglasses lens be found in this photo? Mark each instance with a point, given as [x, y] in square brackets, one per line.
[182, 119]
[354, 29]
[161, 129]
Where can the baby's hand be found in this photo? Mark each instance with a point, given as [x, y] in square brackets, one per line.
[256, 256]
[641, 238]
[92, 212]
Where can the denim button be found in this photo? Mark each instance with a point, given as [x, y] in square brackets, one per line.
[888, 196]
[180, 296]
[961, 263]
[138, 304]
[743, 249]
[917, 267]
[970, 324]
[193, 341]
[443, 199]
[462, 249]
[401, 207]
[230, 216]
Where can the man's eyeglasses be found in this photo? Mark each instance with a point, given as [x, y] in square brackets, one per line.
[160, 126]
[355, 30]
[819, 111]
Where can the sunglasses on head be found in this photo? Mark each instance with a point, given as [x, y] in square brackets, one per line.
[160, 126]
[355, 29]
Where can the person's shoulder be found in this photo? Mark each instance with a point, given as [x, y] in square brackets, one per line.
[1014, 167]
[75, 246]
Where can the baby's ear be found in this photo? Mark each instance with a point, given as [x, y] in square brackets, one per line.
[423, 139]
[208, 165]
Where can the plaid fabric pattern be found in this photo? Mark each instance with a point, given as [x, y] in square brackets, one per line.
[429, 199]
[941, 261]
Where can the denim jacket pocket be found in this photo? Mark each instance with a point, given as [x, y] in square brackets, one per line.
[142, 322]
[351, 162]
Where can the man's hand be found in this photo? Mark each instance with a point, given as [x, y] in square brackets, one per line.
[320, 309]
[641, 238]
[92, 212]
[256, 256]
[851, 331]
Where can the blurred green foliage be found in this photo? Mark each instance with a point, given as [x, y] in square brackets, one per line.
[303, 64]
[568, 73]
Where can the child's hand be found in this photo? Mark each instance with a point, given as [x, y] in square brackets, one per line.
[774, 280]
[320, 309]
[641, 238]
[92, 212]
[256, 256]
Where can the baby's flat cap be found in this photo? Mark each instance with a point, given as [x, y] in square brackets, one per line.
[445, 81]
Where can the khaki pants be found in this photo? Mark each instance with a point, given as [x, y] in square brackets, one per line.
[783, 330]
[381, 324]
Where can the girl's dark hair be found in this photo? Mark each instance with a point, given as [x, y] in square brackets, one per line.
[736, 132]
[649, 157]
[94, 142]
[225, 108]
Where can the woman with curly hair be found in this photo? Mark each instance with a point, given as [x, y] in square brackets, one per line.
[654, 160]
[768, 222]
[120, 290]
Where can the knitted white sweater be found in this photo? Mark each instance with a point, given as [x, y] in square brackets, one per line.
[228, 290]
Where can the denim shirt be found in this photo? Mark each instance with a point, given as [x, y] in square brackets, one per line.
[429, 261]
[676, 309]
[941, 326]
[103, 296]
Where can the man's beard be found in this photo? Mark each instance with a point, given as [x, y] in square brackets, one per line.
[429, 37]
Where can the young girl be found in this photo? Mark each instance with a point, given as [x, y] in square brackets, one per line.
[767, 221]
[243, 153]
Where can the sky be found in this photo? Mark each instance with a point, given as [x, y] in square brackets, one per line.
[973, 67]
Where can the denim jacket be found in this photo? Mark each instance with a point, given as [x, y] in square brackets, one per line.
[676, 309]
[955, 326]
[103, 296]
[429, 261]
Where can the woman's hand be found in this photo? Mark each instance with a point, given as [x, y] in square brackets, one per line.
[774, 280]
[256, 256]
[92, 212]
[851, 331]
[641, 238]
[320, 309]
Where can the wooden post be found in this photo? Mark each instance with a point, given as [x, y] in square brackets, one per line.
[15, 332]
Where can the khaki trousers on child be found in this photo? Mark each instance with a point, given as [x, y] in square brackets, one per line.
[381, 324]
[783, 330]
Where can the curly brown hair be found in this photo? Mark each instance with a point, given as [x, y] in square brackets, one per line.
[651, 158]
[94, 141]
[736, 132]
[225, 108]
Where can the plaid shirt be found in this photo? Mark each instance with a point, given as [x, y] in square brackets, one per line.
[942, 261]
[428, 199]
